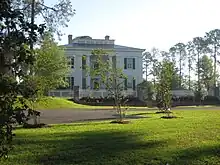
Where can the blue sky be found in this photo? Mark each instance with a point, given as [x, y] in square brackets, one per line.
[143, 23]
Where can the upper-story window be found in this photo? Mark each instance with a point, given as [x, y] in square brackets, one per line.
[71, 62]
[129, 63]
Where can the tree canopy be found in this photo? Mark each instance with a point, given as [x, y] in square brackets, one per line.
[51, 65]
[14, 54]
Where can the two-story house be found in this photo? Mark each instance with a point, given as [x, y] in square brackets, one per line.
[79, 49]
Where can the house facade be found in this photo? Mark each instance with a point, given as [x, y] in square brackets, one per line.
[78, 51]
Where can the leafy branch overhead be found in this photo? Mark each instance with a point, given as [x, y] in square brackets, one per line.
[55, 17]
[15, 55]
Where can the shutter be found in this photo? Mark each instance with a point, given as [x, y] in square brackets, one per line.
[125, 63]
[83, 83]
[72, 83]
[133, 63]
[72, 62]
[125, 84]
[134, 84]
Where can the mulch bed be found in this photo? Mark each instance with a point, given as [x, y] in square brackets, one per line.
[120, 122]
[41, 125]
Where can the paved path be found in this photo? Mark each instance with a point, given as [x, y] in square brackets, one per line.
[68, 116]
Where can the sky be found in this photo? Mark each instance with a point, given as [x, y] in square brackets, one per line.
[143, 23]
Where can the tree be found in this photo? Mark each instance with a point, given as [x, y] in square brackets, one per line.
[14, 53]
[110, 77]
[51, 65]
[55, 17]
[172, 52]
[206, 71]
[199, 46]
[165, 78]
[175, 79]
[179, 51]
[166, 55]
[213, 41]
[148, 89]
[147, 61]
[191, 59]
[155, 68]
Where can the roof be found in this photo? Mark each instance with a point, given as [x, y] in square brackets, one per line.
[126, 47]
[103, 46]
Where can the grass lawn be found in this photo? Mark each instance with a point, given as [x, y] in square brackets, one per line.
[62, 103]
[192, 139]
[50, 103]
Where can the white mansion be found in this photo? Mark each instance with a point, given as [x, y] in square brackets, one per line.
[127, 58]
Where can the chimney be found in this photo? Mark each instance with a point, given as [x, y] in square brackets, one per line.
[107, 37]
[70, 39]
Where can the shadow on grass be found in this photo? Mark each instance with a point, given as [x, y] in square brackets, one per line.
[209, 155]
[87, 148]
[106, 147]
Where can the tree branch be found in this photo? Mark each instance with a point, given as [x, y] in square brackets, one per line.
[47, 7]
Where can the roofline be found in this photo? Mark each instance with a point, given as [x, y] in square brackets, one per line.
[114, 49]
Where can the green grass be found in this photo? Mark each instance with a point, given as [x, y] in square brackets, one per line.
[192, 139]
[51, 103]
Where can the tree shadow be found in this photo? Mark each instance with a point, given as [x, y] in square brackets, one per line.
[92, 147]
[209, 155]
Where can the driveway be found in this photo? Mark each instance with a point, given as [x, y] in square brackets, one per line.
[68, 116]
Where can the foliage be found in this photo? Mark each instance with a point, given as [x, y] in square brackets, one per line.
[206, 71]
[147, 60]
[164, 85]
[55, 17]
[179, 51]
[190, 60]
[51, 66]
[14, 55]
[148, 89]
[110, 77]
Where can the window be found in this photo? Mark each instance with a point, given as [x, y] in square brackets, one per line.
[129, 83]
[83, 83]
[71, 62]
[129, 63]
